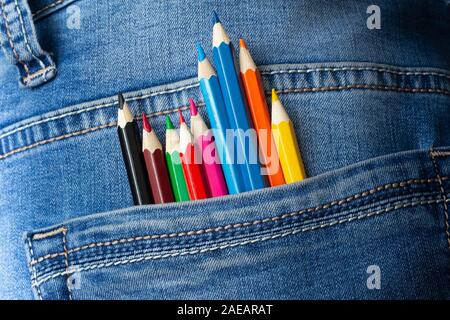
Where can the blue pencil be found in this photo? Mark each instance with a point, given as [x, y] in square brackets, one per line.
[212, 95]
[236, 107]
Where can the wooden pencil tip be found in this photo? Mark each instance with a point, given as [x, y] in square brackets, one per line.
[145, 123]
[192, 107]
[169, 124]
[215, 18]
[121, 101]
[274, 95]
[181, 117]
[242, 44]
[200, 52]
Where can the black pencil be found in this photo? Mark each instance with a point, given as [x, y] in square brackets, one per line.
[132, 155]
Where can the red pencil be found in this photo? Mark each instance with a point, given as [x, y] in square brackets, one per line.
[156, 164]
[191, 164]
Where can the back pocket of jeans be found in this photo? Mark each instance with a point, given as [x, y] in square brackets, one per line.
[375, 229]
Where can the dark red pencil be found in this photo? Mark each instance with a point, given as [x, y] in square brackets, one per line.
[191, 163]
[156, 164]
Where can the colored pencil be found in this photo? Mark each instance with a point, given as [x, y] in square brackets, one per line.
[252, 83]
[215, 106]
[205, 141]
[155, 164]
[190, 162]
[236, 107]
[132, 155]
[173, 161]
[286, 142]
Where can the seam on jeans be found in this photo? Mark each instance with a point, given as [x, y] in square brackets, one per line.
[406, 73]
[66, 261]
[143, 96]
[38, 74]
[33, 269]
[437, 153]
[25, 37]
[104, 105]
[364, 86]
[73, 134]
[47, 7]
[7, 154]
[11, 43]
[81, 132]
[41, 236]
[243, 243]
[142, 248]
[443, 195]
[243, 224]
[139, 97]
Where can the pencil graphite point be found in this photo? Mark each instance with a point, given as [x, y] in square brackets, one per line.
[215, 18]
[145, 123]
[169, 124]
[192, 107]
[181, 117]
[242, 44]
[274, 95]
[121, 101]
[200, 52]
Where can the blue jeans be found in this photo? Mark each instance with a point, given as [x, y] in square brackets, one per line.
[371, 112]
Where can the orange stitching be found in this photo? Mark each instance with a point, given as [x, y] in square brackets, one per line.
[152, 256]
[437, 153]
[51, 5]
[65, 136]
[444, 197]
[11, 43]
[77, 133]
[388, 186]
[101, 106]
[37, 74]
[374, 87]
[66, 260]
[376, 69]
[387, 88]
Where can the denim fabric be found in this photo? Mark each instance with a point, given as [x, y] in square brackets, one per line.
[20, 44]
[370, 109]
[313, 239]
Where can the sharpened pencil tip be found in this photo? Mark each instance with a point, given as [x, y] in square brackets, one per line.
[192, 107]
[274, 95]
[121, 101]
[200, 52]
[145, 123]
[242, 44]
[215, 18]
[169, 124]
[181, 117]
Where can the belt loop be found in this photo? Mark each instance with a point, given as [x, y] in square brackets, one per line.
[20, 44]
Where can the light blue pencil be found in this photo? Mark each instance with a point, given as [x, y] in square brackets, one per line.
[212, 95]
[236, 107]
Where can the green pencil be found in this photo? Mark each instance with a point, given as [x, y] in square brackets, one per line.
[174, 163]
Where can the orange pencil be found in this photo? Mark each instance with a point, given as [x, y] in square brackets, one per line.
[259, 111]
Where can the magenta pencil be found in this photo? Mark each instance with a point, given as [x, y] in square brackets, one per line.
[210, 160]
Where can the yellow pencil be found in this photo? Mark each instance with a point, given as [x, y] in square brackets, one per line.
[286, 142]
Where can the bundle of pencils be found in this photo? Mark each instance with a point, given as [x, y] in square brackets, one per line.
[245, 149]
[240, 105]
[188, 170]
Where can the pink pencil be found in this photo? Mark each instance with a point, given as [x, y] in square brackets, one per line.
[210, 161]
